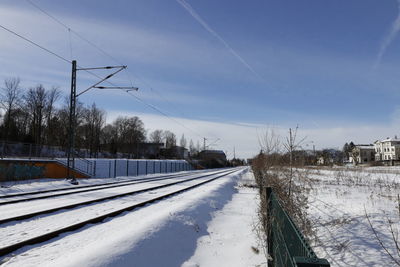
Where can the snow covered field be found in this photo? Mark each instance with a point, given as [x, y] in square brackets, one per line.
[339, 202]
[211, 225]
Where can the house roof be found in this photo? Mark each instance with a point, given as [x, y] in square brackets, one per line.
[388, 140]
[365, 146]
[213, 151]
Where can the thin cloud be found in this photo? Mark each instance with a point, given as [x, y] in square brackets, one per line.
[200, 20]
[388, 39]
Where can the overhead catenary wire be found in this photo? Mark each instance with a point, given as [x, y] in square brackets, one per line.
[35, 44]
[70, 30]
[88, 71]
[163, 113]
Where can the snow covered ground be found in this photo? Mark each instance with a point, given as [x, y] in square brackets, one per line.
[339, 202]
[211, 225]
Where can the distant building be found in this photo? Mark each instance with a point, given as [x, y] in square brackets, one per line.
[149, 150]
[175, 152]
[362, 154]
[212, 154]
[320, 160]
[181, 152]
[388, 149]
[329, 156]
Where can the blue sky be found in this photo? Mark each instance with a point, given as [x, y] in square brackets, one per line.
[332, 67]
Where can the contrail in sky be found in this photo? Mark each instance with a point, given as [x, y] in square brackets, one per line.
[200, 20]
[389, 37]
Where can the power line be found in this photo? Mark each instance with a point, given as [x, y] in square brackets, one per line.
[93, 74]
[35, 44]
[164, 114]
[148, 104]
[102, 51]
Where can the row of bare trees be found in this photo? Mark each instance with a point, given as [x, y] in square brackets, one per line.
[40, 116]
[28, 115]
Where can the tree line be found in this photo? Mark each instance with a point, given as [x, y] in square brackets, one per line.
[40, 116]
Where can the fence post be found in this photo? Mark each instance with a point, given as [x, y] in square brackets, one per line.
[127, 167]
[137, 167]
[3, 148]
[115, 168]
[109, 168]
[146, 167]
[268, 224]
[94, 168]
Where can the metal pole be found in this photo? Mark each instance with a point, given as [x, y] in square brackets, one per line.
[71, 130]
[3, 148]
[115, 168]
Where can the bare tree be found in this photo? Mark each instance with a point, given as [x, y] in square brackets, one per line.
[192, 148]
[53, 96]
[130, 133]
[291, 144]
[35, 101]
[94, 120]
[10, 101]
[183, 142]
[156, 136]
[170, 139]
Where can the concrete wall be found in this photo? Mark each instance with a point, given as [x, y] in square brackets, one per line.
[104, 168]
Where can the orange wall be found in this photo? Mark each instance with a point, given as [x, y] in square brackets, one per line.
[25, 169]
[57, 170]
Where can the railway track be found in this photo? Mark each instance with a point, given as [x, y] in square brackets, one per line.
[20, 231]
[72, 204]
[35, 195]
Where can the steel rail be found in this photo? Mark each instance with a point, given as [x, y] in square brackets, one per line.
[87, 202]
[75, 187]
[98, 187]
[41, 238]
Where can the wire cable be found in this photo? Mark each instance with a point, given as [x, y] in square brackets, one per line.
[164, 114]
[90, 72]
[104, 53]
[35, 44]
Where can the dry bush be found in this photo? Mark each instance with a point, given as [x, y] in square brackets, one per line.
[291, 185]
[394, 232]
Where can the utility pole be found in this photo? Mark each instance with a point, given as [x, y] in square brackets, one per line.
[291, 146]
[71, 128]
[72, 110]
[204, 143]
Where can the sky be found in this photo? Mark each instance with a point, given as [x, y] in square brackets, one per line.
[225, 70]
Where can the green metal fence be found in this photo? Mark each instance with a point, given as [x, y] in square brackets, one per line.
[286, 245]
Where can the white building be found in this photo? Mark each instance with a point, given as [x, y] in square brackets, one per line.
[388, 149]
[362, 154]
